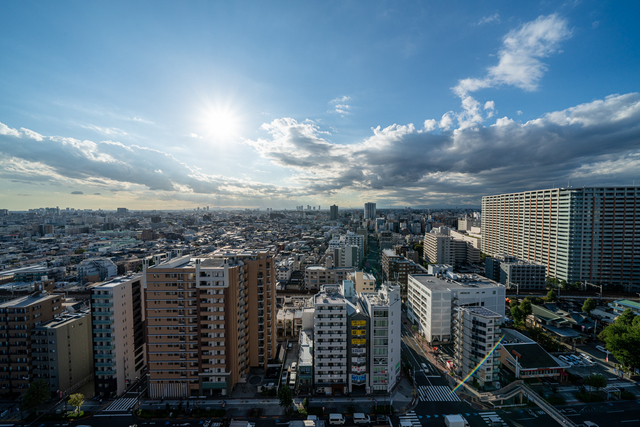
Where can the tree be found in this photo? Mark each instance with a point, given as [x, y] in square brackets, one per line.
[37, 394]
[513, 302]
[518, 314]
[622, 338]
[286, 396]
[80, 251]
[76, 400]
[525, 306]
[589, 305]
[596, 381]
[552, 296]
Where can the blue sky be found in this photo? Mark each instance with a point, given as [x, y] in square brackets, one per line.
[276, 104]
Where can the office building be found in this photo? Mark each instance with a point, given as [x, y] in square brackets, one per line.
[305, 361]
[18, 318]
[118, 318]
[430, 299]
[209, 320]
[476, 331]
[62, 352]
[579, 234]
[334, 212]
[515, 273]
[369, 210]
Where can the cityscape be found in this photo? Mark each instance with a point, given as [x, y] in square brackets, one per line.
[246, 214]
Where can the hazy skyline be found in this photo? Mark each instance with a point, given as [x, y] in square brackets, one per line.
[168, 105]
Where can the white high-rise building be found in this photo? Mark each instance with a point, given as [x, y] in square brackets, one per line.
[384, 308]
[430, 299]
[580, 234]
[330, 340]
[369, 210]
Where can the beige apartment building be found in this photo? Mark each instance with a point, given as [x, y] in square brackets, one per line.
[62, 352]
[209, 319]
[18, 318]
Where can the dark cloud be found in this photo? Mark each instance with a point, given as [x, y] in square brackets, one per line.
[97, 194]
[77, 192]
[588, 144]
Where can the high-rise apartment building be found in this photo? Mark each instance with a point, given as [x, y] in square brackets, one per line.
[62, 352]
[118, 318]
[18, 318]
[587, 234]
[209, 319]
[334, 212]
[370, 210]
[476, 331]
[330, 340]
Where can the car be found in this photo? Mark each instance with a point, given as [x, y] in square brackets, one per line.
[424, 367]
[294, 365]
[382, 419]
[360, 418]
[590, 424]
[602, 349]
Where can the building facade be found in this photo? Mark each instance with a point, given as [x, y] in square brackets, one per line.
[315, 276]
[209, 319]
[476, 331]
[118, 318]
[431, 299]
[62, 352]
[18, 318]
[516, 273]
[370, 210]
[334, 212]
[330, 341]
[587, 234]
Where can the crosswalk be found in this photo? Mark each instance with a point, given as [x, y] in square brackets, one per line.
[121, 405]
[492, 419]
[412, 418]
[437, 393]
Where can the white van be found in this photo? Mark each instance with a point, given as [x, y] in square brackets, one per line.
[336, 419]
[360, 418]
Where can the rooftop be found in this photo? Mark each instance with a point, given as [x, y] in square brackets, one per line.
[463, 281]
[481, 311]
[531, 356]
[27, 301]
[628, 303]
[117, 281]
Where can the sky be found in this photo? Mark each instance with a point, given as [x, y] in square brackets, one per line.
[172, 105]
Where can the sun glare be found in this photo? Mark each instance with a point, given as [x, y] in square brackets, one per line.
[222, 124]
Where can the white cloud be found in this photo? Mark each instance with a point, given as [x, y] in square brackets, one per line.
[519, 112]
[340, 105]
[446, 121]
[489, 19]
[430, 125]
[520, 57]
[106, 131]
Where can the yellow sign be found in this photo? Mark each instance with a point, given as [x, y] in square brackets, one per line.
[358, 323]
[358, 332]
[358, 341]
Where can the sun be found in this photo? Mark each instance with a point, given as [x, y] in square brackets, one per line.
[221, 123]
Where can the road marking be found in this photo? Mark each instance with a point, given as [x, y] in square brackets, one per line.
[614, 412]
[523, 419]
[629, 421]
[412, 418]
[434, 393]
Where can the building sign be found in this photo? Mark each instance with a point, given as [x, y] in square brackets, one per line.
[358, 378]
[358, 341]
[398, 367]
[359, 332]
[358, 323]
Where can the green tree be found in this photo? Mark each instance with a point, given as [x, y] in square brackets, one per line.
[517, 314]
[76, 400]
[596, 381]
[285, 396]
[525, 306]
[622, 338]
[80, 251]
[589, 305]
[513, 302]
[418, 247]
[37, 394]
[552, 296]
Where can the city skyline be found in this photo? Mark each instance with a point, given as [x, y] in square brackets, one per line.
[244, 105]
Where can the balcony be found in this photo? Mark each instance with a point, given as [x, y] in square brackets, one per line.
[102, 304]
